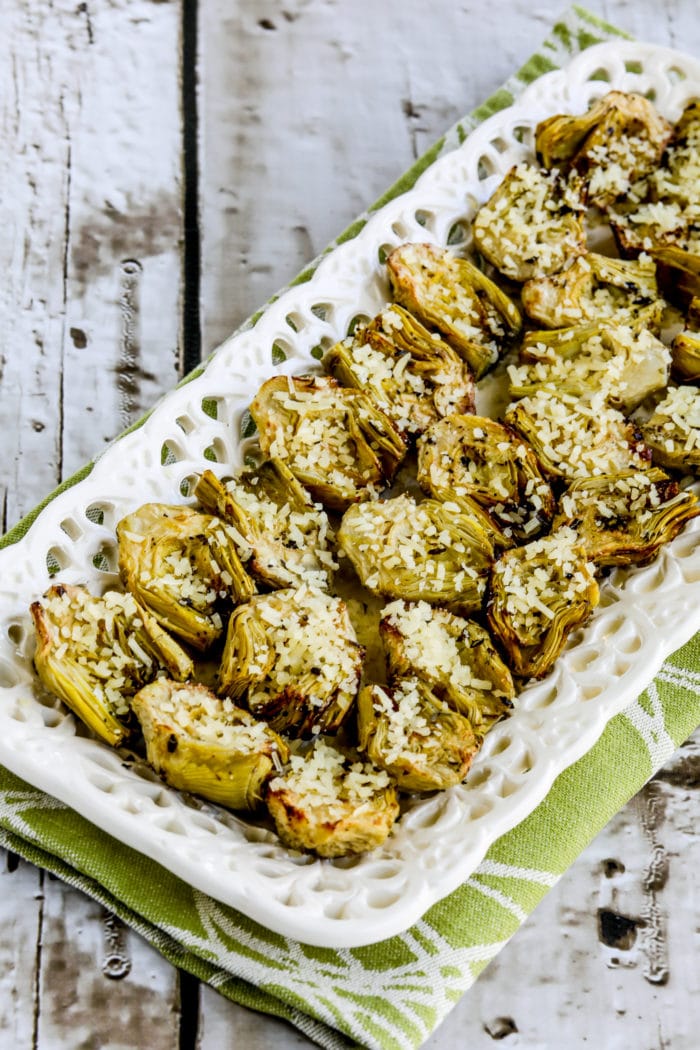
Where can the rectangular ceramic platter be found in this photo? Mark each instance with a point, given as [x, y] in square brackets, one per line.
[644, 614]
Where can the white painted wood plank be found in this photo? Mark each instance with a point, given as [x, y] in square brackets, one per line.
[90, 190]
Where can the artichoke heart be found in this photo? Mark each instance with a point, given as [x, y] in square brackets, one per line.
[295, 657]
[597, 289]
[578, 437]
[335, 441]
[410, 373]
[95, 653]
[685, 357]
[450, 294]
[455, 657]
[663, 209]
[205, 745]
[468, 458]
[280, 533]
[406, 730]
[624, 365]
[625, 519]
[619, 140]
[425, 551]
[539, 593]
[332, 802]
[183, 566]
[673, 431]
[678, 274]
[533, 224]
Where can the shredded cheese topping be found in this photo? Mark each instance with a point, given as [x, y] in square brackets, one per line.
[325, 780]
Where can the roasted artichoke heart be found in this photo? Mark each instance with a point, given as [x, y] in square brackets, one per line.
[596, 289]
[332, 803]
[685, 357]
[678, 274]
[673, 431]
[95, 653]
[538, 594]
[455, 657]
[533, 224]
[451, 295]
[624, 365]
[294, 656]
[421, 552]
[184, 567]
[281, 535]
[475, 458]
[411, 374]
[205, 745]
[578, 437]
[624, 519]
[664, 208]
[335, 441]
[619, 140]
[406, 730]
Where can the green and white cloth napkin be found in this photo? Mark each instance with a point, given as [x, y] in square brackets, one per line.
[391, 995]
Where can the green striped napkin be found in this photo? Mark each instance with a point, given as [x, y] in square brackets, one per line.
[391, 995]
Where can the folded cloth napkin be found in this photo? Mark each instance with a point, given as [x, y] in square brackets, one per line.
[390, 995]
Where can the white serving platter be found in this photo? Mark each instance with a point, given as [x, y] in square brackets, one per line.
[644, 614]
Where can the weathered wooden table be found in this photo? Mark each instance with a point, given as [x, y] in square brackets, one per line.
[166, 165]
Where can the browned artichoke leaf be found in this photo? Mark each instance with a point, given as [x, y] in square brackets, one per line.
[596, 289]
[294, 656]
[184, 567]
[454, 656]
[685, 357]
[533, 224]
[538, 594]
[678, 274]
[412, 734]
[332, 802]
[420, 552]
[281, 535]
[673, 431]
[663, 209]
[625, 519]
[411, 374]
[449, 294]
[334, 440]
[576, 437]
[95, 653]
[620, 139]
[623, 364]
[476, 458]
[205, 745]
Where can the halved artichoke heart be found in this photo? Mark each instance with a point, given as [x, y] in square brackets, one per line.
[294, 656]
[410, 373]
[184, 567]
[685, 357]
[205, 745]
[623, 364]
[678, 274]
[335, 441]
[539, 593]
[533, 224]
[673, 431]
[426, 551]
[332, 802]
[468, 458]
[95, 653]
[455, 657]
[597, 289]
[619, 140]
[280, 533]
[625, 519]
[412, 734]
[449, 294]
[576, 437]
[663, 209]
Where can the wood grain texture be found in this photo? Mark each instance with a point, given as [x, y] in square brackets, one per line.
[308, 110]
